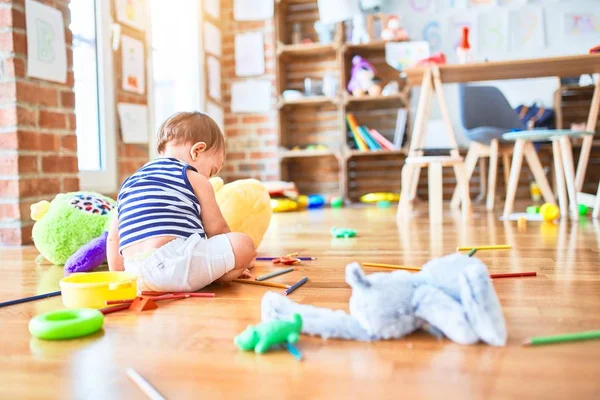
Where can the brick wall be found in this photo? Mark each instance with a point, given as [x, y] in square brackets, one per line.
[37, 127]
[251, 138]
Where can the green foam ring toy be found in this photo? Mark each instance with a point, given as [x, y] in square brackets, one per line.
[66, 324]
[262, 337]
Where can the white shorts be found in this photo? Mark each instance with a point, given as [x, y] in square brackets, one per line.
[183, 265]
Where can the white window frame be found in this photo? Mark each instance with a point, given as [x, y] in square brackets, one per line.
[105, 180]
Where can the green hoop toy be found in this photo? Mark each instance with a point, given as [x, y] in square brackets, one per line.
[66, 324]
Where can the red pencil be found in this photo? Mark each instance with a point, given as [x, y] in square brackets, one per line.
[108, 310]
[513, 275]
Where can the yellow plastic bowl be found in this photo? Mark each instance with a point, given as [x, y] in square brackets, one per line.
[94, 289]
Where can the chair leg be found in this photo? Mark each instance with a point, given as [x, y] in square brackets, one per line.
[435, 192]
[491, 190]
[559, 173]
[470, 163]
[515, 173]
[596, 212]
[482, 180]
[538, 173]
[463, 186]
[506, 168]
[404, 205]
[567, 156]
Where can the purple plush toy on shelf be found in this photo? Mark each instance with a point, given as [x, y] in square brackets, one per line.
[362, 78]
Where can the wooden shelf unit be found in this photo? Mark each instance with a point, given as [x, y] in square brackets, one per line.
[339, 170]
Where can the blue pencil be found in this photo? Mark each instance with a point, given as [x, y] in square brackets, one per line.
[295, 286]
[276, 273]
[294, 351]
[31, 298]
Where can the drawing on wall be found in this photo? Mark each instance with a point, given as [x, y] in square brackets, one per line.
[406, 54]
[454, 29]
[212, 39]
[249, 54]
[493, 31]
[576, 24]
[422, 6]
[483, 2]
[46, 49]
[458, 3]
[333, 11]
[252, 10]
[432, 33]
[134, 122]
[507, 3]
[131, 13]
[132, 64]
[527, 29]
[213, 67]
[251, 96]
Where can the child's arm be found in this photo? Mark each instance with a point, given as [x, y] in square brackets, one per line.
[115, 261]
[212, 218]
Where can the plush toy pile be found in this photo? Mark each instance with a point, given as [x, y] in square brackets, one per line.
[451, 296]
[72, 229]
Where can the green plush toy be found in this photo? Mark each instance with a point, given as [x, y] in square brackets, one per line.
[69, 222]
[262, 337]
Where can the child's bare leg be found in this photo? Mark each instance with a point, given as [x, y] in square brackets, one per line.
[244, 252]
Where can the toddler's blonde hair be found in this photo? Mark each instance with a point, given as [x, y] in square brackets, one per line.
[190, 127]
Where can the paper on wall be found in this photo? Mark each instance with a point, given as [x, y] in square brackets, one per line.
[134, 122]
[576, 24]
[527, 27]
[333, 11]
[131, 13]
[493, 31]
[214, 77]
[132, 64]
[213, 8]
[422, 6]
[212, 39]
[46, 49]
[249, 54]
[406, 54]
[252, 10]
[216, 112]
[251, 96]
[432, 34]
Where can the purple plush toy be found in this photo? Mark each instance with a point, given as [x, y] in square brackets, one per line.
[89, 256]
[361, 75]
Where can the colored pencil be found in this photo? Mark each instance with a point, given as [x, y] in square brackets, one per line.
[473, 251]
[276, 273]
[260, 283]
[190, 294]
[390, 266]
[491, 247]
[513, 275]
[273, 258]
[144, 385]
[30, 298]
[168, 296]
[108, 310]
[295, 286]
[294, 351]
[566, 337]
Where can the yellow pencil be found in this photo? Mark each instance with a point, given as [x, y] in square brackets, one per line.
[492, 247]
[391, 266]
[262, 283]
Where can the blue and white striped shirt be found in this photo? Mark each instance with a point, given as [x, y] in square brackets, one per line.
[158, 200]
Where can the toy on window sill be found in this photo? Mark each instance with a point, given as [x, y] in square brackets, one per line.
[452, 296]
[262, 337]
[362, 78]
[343, 233]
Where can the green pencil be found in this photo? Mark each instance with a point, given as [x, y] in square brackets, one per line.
[567, 337]
[473, 250]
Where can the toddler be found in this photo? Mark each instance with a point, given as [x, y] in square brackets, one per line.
[170, 230]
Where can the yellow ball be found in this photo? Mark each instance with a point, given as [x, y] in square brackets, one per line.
[550, 212]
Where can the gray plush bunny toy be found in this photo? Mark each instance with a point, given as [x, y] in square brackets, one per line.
[451, 296]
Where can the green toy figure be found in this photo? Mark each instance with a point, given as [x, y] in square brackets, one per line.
[343, 232]
[262, 337]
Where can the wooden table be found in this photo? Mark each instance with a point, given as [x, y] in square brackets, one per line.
[431, 78]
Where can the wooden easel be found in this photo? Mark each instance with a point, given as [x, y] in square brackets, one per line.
[416, 160]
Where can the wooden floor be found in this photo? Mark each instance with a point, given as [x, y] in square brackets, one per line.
[185, 348]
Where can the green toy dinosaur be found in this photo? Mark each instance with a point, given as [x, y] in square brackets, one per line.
[262, 337]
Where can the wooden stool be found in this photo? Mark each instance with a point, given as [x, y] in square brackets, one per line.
[476, 152]
[435, 184]
[563, 165]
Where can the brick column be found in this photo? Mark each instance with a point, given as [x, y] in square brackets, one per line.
[38, 146]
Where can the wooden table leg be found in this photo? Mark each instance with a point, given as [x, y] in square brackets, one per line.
[586, 146]
[567, 156]
[563, 202]
[506, 168]
[491, 190]
[538, 173]
[436, 207]
[513, 180]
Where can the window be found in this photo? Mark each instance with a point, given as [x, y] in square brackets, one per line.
[94, 94]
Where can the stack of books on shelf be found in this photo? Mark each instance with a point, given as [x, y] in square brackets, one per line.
[365, 139]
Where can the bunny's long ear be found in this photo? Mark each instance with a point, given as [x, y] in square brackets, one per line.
[356, 277]
[481, 305]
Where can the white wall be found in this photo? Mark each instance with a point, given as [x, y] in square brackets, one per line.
[517, 91]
